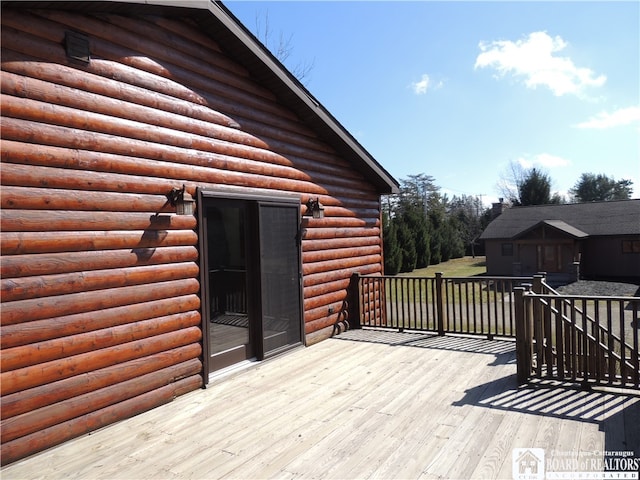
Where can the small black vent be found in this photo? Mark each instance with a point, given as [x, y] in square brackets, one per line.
[77, 47]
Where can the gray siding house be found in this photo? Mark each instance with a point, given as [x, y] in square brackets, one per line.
[586, 240]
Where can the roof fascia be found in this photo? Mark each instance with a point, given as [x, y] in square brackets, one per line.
[553, 226]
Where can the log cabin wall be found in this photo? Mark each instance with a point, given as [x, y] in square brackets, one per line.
[100, 278]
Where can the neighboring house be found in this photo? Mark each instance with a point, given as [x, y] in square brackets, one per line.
[116, 296]
[589, 240]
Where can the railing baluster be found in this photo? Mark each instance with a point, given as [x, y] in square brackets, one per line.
[504, 318]
[411, 303]
[559, 340]
[370, 306]
[484, 286]
[635, 325]
[623, 353]
[363, 304]
[474, 287]
[466, 304]
[458, 286]
[574, 350]
[394, 308]
[549, 338]
[415, 305]
[610, 344]
[450, 320]
[373, 307]
[364, 299]
[423, 303]
[599, 353]
[405, 302]
[400, 312]
[494, 324]
[585, 344]
[538, 334]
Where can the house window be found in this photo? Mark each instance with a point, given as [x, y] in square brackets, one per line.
[507, 249]
[631, 246]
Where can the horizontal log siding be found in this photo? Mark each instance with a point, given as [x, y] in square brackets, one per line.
[100, 292]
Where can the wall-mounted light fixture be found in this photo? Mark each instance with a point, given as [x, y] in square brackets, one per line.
[182, 200]
[315, 208]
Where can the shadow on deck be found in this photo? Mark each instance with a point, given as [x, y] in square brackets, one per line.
[364, 404]
[615, 411]
[504, 349]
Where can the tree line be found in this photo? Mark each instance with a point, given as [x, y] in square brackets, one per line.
[422, 226]
[522, 187]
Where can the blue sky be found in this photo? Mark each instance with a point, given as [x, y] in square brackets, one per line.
[458, 90]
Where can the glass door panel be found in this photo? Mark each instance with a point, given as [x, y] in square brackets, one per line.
[280, 276]
[230, 328]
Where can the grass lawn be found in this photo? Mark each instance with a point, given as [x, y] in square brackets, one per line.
[458, 267]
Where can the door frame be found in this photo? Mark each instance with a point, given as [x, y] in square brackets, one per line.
[283, 199]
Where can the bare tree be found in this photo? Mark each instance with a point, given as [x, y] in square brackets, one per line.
[511, 179]
[281, 46]
[527, 186]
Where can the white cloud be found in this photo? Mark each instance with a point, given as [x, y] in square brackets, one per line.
[425, 83]
[543, 160]
[533, 60]
[620, 117]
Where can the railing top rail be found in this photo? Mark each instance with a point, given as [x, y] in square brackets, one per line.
[549, 289]
[562, 296]
[485, 277]
[479, 277]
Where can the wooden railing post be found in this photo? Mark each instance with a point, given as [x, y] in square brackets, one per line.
[537, 282]
[440, 303]
[523, 337]
[354, 301]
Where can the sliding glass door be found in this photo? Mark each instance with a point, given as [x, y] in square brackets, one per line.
[251, 277]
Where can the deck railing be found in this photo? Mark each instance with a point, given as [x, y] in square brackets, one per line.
[471, 305]
[591, 340]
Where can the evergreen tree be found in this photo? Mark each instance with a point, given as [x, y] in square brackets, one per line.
[406, 241]
[423, 249]
[535, 189]
[426, 228]
[600, 188]
[415, 220]
[437, 218]
[392, 251]
[452, 245]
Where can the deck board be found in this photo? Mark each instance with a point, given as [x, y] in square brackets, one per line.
[362, 405]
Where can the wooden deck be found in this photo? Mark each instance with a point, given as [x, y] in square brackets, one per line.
[387, 405]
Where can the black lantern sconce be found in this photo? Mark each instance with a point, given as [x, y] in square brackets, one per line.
[315, 208]
[182, 200]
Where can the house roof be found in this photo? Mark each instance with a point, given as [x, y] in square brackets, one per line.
[558, 225]
[576, 219]
[220, 24]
